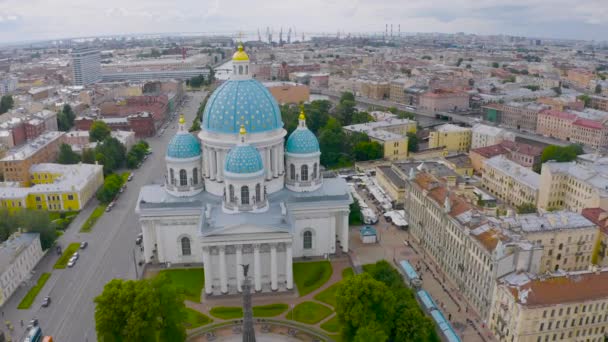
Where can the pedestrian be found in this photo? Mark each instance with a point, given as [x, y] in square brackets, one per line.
[449, 317]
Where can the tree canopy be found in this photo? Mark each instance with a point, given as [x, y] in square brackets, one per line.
[561, 154]
[36, 221]
[67, 156]
[6, 103]
[137, 153]
[65, 118]
[140, 310]
[99, 131]
[111, 154]
[412, 142]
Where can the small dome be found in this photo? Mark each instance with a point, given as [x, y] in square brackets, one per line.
[183, 145]
[240, 55]
[302, 141]
[243, 159]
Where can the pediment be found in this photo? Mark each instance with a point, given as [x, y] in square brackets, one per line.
[244, 229]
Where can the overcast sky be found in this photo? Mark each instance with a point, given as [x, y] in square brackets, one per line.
[22, 20]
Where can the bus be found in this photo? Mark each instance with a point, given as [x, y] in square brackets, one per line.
[34, 335]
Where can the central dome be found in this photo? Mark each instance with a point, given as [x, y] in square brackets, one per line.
[243, 159]
[241, 102]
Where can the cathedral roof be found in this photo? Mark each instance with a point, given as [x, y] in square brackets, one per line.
[302, 141]
[243, 159]
[183, 145]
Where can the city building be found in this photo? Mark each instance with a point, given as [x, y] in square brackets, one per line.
[288, 92]
[580, 77]
[559, 307]
[523, 154]
[598, 102]
[509, 181]
[484, 135]
[589, 132]
[79, 140]
[518, 115]
[375, 90]
[8, 84]
[16, 164]
[555, 124]
[55, 187]
[86, 66]
[241, 194]
[460, 163]
[390, 132]
[440, 100]
[19, 254]
[453, 138]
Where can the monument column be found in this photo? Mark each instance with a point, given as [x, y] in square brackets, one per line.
[257, 268]
[288, 266]
[239, 261]
[212, 164]
[268, 163]
[220, 165]
[273, 267]
[275, 162]
[207, 270]
[344, 237]
[206, 160]
[223, 277]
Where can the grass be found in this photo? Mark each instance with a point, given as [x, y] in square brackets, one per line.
[270, 310]
[328, 296]
[332, 325]
[309, 276]
[29, 298]
[309, 313]
[226, 312]
[347, 272]
[336, 338]
[190, 281]
[67, 254]
[95, 215]
[125, 177]
[195, 319]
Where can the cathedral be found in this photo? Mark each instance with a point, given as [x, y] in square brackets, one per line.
[242, 194]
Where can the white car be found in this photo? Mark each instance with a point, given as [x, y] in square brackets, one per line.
[72, 262]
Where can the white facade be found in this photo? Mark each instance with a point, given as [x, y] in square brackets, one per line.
[7, 85]
[86, 66]
[18, 256]
[484, 135]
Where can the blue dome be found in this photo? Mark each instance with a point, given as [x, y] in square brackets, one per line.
[183, 145]
[241, 102]
[243, 159]
[302, 141]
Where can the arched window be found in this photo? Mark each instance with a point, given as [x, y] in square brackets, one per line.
[246, 69]
[315, 171]
[186, 250]
[245, 194]
[172, 176]
[195, 176]
[307, 239]
[304, 173]
[292, 172]
[240, 69]
[231, 193]
[258, 193]
[183, 177]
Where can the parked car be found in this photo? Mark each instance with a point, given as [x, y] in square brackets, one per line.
[72, 262]
[130, 177]
[83, 245]
[46, 301]
[75, 255]
[108, 208]
[139, 240]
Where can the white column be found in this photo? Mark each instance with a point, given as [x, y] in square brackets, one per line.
[268, 163]
[207, 269]
[275, 162]
[223, 276]
[220, 165]
[288, 266]
[273, 267]
[281, 160]
[239, 268]
[257, 267]
[206, 161]
[344, 237]
[213, 164]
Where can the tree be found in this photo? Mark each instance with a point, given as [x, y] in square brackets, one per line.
[99, 131]
[526, 208]
[138, 310]
[88, 156]
[67, 156]
[412, 142]
[36, 221]
[355, 216]
[370, 332]
[362, 300]
[598, 89]
[109, 190]
[495, 65]
[468, 66]
[6, 103]
[561, 154]
[65, 118]
[459, 62]
[332, 142]
[368, 150]
[111, 154]
[586, 99]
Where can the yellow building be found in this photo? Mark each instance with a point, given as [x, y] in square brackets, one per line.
[460, 163]
[565, 307]
[391, 133]
[453, 138]
[510, 182]
[55, 187]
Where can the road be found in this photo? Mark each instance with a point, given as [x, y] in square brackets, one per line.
[110, 254]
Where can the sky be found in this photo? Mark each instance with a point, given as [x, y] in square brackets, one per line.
[25, 20]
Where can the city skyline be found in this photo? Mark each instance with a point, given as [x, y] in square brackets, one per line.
[37, 20]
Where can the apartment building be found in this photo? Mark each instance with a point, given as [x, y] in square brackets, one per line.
[391, 133]
[86, 66]
[440, 100]
[16, 164]
[55, 187]
[518, 115]
[397, 92]
[510, 182]
[589, 132]
[453, 138]
[555, 124]
[484, 135]
[573, 186]
[580, 77]
[599, 102]
[559, 307]
[288, 92]
[8, 84]
[523, 154]
[19, 254]
[376, 90]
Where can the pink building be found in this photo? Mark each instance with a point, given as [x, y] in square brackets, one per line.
[556, 124]
[589, 132]
[444, 100]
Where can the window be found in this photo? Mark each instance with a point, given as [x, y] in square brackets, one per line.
[304, 173]
[231, 193]
[240, 69]
[195, 176]
[258, 193]
[307, 239]
[183, 177]
[292, 172]
[314, 171]
[245, 195]
[186, 246]
[171, 176]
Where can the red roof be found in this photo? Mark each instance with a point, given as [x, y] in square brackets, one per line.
[598, 216]
[529, 150]
[559, 114]
[490, 151]
[587, 123]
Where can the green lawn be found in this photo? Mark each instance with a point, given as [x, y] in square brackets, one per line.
[309, 276]
[328, 296]
[347, 272]
[333, 325]
[195, 319]
[95, 215]
[62, 262]
[29, 298]
[226, 312]
[270, 310]
[309, 312]
[189, 280]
